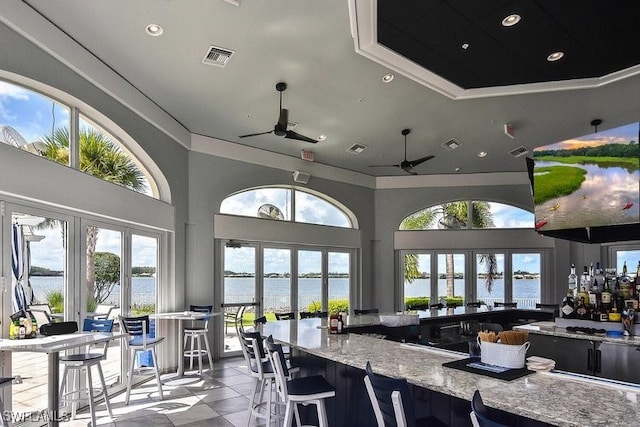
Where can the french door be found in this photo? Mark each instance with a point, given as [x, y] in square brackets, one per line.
[272, 279]
[70, 264]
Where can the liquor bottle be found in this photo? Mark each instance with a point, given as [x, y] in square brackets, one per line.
[585, 279]
[340, 327]
[584, 296]
[594, 297]
[573, 281]
[582, 311]
[625, 283]
[599, 276]
[605, 297]
[591, 274]
[568, 308]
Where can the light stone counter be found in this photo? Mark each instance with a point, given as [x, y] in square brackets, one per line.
[544, 397]
[550, 328]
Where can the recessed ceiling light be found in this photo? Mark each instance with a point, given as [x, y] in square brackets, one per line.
[555, 56]
[457, 169]
[154, 30]
[322, 137]
[511, 20]
[387, 78]
[465, 46]
[482, 154]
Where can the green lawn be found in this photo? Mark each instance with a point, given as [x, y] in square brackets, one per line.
[556, 182]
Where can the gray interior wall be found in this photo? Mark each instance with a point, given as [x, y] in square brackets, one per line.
[212, 178]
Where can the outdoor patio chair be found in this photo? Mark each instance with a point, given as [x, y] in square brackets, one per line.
[101, 312]
[43, 308]
[285, 316]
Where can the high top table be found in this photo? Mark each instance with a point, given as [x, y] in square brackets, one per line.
[52, 346]
[181, 316]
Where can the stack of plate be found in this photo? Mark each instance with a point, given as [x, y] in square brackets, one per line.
[535, 363]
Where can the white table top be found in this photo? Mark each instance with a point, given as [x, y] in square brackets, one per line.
[183, 315]
[55, 343]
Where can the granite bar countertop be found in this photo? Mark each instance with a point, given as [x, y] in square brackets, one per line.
[547, 397]
[550, 328]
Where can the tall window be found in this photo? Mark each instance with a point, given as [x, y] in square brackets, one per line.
[41, 125]
[288, 204]
[484, 275]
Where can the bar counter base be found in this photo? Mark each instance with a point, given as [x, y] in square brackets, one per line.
[351, 406]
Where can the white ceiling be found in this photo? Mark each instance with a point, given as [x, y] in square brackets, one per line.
[332, 90]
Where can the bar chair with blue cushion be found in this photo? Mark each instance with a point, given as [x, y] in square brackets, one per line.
[392, 403]
[197, 332]
[312, 390]
[84, 362]
[481, 413]
[139, 341]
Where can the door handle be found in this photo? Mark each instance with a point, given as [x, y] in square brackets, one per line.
[598, 361]
[590, 359]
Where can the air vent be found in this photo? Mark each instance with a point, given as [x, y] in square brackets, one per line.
[520, 151]
[357, 148]
[451, 144]
[217, 56]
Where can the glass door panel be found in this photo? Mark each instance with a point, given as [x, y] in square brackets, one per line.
[144, 274]
[451, 278]
[39, 281]
[417, 280]
[239, 287]
[490, 285]
[526, 279]
[310, 281]
[338, 268]
[103, 283]
[276, 273]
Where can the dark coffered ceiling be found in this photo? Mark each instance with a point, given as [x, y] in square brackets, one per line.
[466, 43]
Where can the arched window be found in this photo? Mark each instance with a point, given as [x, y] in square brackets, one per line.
[468, 214]
[289, 204]
[42, 125]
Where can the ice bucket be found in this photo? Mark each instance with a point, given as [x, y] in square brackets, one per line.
[507, 356]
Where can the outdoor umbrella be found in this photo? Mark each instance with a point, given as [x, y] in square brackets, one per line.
[17, 266]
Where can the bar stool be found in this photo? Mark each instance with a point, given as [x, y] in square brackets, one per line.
[139, 341]
[365, 311]
[193, 334]
[311, 390]
[260, 368]
[480, 413]
[391, 402]
[505, 304]
[85, 361]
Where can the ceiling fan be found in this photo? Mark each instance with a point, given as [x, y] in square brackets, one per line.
[280, 128]
[407, 165]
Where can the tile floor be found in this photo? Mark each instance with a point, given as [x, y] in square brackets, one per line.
[219, 398]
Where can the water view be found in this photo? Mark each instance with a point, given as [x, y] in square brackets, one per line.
[603, 198]
[143, 289]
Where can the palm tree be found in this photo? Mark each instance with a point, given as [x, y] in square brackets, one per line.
[102, 158]
[449, 216]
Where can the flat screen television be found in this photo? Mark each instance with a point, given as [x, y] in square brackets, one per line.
[587, 188]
